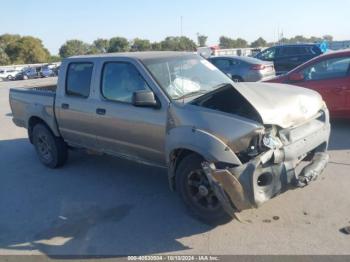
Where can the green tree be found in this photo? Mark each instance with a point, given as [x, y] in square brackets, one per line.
[260, 42]
[27, 50]
[182, 43]
[74, 47]
[328, 38]
[156, 46]
[100, 45]
[226, 42]
[4, 58]
[141, 45]
[202, 40]
[118, 44]
[54, 58]
[241, 43]
[7, 39]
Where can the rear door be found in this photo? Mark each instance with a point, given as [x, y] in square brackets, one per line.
[288, 58]
[74, 105]
[137, 133]
[330, 77]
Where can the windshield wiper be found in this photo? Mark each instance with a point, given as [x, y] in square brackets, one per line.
[202, 92]
[221, 85]
[199, 92]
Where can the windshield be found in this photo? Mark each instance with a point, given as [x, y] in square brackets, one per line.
[186, 76]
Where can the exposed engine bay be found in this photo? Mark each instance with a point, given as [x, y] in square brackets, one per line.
[228, 100]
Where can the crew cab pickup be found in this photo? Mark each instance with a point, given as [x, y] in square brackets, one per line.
[227, 146]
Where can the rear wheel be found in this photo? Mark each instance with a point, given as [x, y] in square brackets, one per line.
[193, 186]
[9, 78]
[52, 150]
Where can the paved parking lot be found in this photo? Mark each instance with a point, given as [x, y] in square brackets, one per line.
[106, 206]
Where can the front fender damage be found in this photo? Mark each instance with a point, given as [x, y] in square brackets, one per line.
[250, 185]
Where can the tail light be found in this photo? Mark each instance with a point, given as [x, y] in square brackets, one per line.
[257, 67]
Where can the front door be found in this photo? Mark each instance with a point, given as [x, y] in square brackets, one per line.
[137, 133]
[330, 77]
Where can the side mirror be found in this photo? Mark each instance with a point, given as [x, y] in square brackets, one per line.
[296, 77]
[144, 98]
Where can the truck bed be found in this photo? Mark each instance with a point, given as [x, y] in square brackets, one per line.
[35, 101]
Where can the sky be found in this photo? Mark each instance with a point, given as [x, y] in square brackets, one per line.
[58, 21]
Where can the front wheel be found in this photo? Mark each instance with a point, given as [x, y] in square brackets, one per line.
[52, 150]
[193, 187]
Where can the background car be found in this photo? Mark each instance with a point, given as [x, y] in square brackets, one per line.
[46, 71]
[329, 75]
[28, 73]
[244, 69]
[8, 74]
[288, 57]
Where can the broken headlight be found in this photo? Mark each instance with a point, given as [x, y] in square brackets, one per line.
[272, 142]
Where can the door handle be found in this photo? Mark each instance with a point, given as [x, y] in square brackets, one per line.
[100, 111]
[65, 106]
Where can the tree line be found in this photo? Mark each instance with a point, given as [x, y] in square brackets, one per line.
[16, 49]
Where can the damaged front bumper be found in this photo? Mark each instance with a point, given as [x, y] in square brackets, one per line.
[269, 174]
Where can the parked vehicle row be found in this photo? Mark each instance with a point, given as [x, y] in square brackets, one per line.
[227, 146]
[29, 72]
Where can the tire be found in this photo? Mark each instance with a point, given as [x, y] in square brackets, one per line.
[9, 78]
[237, 79]
[52, 151]
[187, 181]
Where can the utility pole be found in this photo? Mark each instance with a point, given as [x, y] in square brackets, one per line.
[181, 21]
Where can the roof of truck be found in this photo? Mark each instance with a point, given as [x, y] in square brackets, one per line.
[137, 55]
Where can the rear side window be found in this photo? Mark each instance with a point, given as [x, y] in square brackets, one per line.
[79, 79]
[222, 63]
[268, 54]
[328, 69]
[120, 80]
[289, 51]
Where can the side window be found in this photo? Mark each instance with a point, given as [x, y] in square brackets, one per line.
[268, 54]
[328, 69]
[120, 80]
[79, 79]
[289, 51]
[222, 63]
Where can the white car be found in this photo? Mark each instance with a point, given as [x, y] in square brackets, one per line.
[8, 74]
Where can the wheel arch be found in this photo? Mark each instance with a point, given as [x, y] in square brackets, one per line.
[32, 122]
[199, 142]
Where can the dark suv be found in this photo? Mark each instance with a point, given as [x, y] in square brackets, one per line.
[287, 57]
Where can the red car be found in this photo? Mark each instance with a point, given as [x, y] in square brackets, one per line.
[328, 74]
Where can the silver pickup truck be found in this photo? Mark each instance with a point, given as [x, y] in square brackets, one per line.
[227, 146]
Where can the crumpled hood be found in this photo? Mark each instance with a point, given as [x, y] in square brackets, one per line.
[280, 104]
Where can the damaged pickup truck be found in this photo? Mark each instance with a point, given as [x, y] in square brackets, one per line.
[227, 146]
